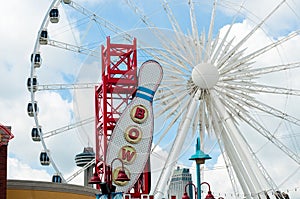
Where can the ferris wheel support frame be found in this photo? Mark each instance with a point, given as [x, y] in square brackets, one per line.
[170, 163]
[118, 86]
[244, 162]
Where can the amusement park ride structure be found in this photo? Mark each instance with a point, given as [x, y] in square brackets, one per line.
[118, 86]
[212, 80]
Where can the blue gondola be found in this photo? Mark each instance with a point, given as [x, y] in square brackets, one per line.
[35, 134]
[56, 178]
[32, 84]
[43, 37]
[31, 108]
[54, 15]
[37, 61]
[44, 159]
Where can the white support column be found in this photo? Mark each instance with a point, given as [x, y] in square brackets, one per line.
[251, 173]
[163, 184]
[219, 129]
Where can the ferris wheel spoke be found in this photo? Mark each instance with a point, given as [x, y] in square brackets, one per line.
[195, 33]
[68, 127]
[260, 71]
[172, 101]
[179, 35]
[235, 95]
[259, 88]
[220, 51]
[233, 108]
[263, 50]
[171, 70]
[80, 170]
[175, 118]
[258, 105]
[245, 39]
[269, 136]
[165, 96]
[209, 109]
[166, 92]
[210, 33]
[73, 48]
[100, 20]
[66, 86]
[231, 65]
[197, 123]
[175, 53]
[172, 19]
[176, 47]
[157, 32]
[173, 79]
[140, 13]
[170, 61]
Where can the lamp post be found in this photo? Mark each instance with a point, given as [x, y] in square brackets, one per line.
[107, 187]
[209, 195]
[185, 195]
[200, 158]
[122, 176]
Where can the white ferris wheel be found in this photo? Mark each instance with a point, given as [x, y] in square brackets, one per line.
[230, 78]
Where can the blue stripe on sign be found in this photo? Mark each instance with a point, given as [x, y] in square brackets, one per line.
[146, 90]
[143, 96]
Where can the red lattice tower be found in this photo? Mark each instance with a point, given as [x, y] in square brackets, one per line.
[118, 86]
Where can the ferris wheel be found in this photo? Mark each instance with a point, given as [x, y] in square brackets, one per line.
[230, 78]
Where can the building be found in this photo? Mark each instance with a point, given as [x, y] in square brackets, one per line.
[180, 178]
[5, 136]
[14, 189]
[39, 190]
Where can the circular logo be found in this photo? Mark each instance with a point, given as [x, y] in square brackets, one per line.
[139, 114]
[127, 154]
[133, 134]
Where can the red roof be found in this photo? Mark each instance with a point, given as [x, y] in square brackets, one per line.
[5, 134]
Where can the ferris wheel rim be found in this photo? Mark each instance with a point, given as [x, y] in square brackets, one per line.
[36, 50]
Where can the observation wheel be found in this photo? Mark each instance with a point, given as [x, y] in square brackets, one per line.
[230, 78]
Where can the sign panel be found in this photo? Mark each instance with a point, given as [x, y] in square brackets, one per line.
[131, 139]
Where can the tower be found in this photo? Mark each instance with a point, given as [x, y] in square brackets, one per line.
[118, 86]
[180, 178]
[84, 158]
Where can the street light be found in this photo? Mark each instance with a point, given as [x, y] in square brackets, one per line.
[209, 195]
[200, 158]
[122, 176]
[185, 195]
[107, 187]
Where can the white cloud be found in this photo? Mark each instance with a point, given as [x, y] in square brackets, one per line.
[21, 171]
[283, 20]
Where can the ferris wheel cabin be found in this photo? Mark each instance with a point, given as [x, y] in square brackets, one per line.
[54, 15]
[44, 159]
[36, 59]
[56, 178]
[43, 37]
[35, 135]
[31, 108]
[32, 84]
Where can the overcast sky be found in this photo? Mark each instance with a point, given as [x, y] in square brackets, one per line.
[19, 25]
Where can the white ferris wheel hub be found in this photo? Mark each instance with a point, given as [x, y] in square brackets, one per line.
[205, 75]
